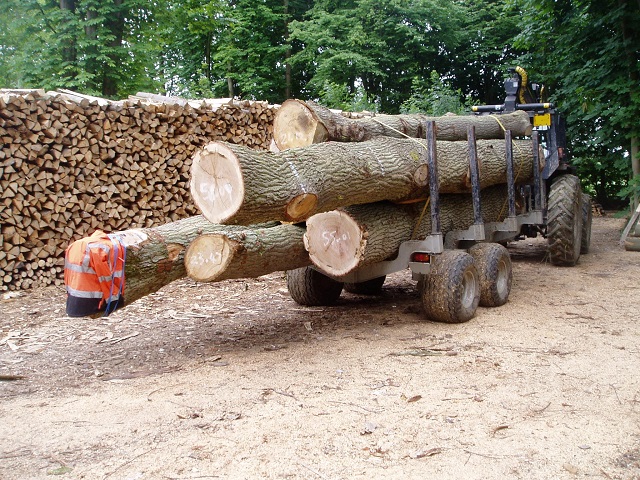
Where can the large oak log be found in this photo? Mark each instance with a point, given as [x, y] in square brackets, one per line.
[343, 240]
[235, 184]
[248, 253]
[298, 124]
[155, 256]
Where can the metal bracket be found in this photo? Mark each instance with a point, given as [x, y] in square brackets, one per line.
[432, 245]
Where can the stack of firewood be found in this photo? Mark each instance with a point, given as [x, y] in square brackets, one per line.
[71, 164]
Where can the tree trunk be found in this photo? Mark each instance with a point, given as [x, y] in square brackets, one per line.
[287, 54]
[249, 253]
[69, 51]
[155, 256]
[111, 73]
[298, 124]
[343, 240]
[235, 184]
[230, 86]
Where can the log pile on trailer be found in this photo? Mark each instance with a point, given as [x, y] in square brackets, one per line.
[362, 187]
[71, 164]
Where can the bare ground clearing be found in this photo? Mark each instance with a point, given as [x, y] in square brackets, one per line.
[234, 380]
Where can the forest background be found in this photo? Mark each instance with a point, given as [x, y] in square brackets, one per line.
[390, 56]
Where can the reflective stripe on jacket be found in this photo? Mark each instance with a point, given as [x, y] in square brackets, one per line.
[94, 268]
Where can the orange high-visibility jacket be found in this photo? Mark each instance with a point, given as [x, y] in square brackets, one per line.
[94, 268]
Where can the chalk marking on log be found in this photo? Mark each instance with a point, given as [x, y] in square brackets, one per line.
[210, 192]
[377, 160]
[330, 238]
[132, 238]
[294, 170]
[199, 259]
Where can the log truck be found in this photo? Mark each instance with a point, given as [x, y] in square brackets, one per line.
[462, 269]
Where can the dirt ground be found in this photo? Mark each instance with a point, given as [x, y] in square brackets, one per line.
[234, 380]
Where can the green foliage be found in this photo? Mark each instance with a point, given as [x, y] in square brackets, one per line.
[486, 51]
[632, 189]
[587, 51]
[338, 96]
[435, 97]
[376, 44]
[95, 46]
[335, 95]
[240, 47]
[21, 36]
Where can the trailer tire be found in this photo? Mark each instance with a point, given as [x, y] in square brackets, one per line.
[309, 287]
[368, 287]
[587, 219]
[494, 269]
[564, 220]
[451, 291]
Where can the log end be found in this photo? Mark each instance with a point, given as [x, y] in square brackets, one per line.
[208, 256]
[421, 175]
[335, 242]
[301, 207]
[296, 125]
[217, 187]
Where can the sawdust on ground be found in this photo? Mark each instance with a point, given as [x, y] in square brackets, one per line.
[234, 380]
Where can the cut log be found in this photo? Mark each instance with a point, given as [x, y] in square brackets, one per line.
[235, 184]
[343, 240]
[249, 253]
[298, 124]
[155, 256]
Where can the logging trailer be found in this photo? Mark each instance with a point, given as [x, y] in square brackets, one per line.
[462, 269]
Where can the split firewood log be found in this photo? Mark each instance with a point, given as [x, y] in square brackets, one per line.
[343, 240]
[246, 253]
[235, 184]
[298, 124]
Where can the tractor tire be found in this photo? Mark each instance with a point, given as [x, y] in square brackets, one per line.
[587, 219]
[494, 269]
[451, 291]
[564, 221]
[369, 287]
[309, 287]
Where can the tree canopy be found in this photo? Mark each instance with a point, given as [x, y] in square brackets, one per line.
[588, 52]
[383, 55]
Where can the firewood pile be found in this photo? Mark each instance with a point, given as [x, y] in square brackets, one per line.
[71, 164]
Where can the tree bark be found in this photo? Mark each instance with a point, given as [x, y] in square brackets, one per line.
[69, 51]
[298, 124]
[249, 253]
[115, 25]
[234, 184]
[155, 256]
[343, 240]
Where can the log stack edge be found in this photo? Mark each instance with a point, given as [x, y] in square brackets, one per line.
[71, 164]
